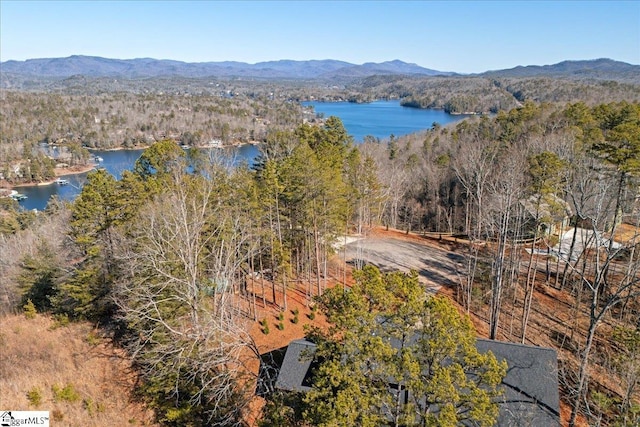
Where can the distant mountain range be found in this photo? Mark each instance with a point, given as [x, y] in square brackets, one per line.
[93, 66]
[328, 69]
[596, 68]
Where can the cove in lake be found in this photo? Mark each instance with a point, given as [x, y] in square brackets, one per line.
[379, 119]
[382, 119]
[115, 162]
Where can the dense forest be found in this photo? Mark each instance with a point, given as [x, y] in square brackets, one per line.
[161, 257]
[483, 94]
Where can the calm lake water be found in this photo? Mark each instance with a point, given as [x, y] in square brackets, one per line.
[115, 162]
[379, 119]
[382, 119]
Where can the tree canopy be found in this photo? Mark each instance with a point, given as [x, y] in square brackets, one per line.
[395, 355]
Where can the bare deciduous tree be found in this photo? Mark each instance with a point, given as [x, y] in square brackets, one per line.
[182, 264]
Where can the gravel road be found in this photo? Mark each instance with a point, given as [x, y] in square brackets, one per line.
[435, 266]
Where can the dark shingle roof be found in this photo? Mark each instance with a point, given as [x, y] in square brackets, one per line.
[531, 395]
[531, 385]
[295, 366]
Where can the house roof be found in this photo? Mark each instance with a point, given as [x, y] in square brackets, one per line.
[531, 395]
[295, 366]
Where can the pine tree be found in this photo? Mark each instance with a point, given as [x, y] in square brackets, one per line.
[387, 333]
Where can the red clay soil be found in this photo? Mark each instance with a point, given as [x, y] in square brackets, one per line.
[276, 338]
[626, 233]
[548, 300]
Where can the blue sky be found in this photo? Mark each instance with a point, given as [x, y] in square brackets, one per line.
[461, 36]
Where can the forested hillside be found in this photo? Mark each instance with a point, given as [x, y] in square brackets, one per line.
[161, 256]
[122, 120]
[483, 94]
[95, 66]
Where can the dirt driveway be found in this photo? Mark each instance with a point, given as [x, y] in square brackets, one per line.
[435, 266]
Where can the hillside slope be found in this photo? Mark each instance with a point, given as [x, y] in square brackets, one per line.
[92, 380]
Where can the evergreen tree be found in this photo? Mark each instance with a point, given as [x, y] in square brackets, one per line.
[39, 277]
[393, 355]
[160, 159]
[86, 292]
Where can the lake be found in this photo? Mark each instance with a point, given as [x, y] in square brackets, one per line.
[379, 119]
[115, 162]
[382, 119]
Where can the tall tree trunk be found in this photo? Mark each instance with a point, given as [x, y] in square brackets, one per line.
[496, 293]
[584, 363]
[264, 300]
[316, 245]
[531, 278]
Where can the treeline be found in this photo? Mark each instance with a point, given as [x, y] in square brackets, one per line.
[426, 173]
[458, 95]
[125, 120]
[130, 113]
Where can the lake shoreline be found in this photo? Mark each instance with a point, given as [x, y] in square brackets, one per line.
[58, 172]
[233, 144]
[141, 147]
[81, 169]
[379, 119]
